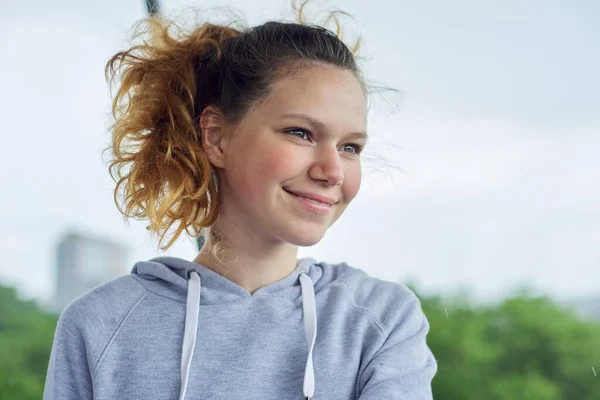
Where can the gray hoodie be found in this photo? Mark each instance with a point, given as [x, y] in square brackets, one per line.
[173, 329]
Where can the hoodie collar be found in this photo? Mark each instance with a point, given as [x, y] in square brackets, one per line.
[168, 276]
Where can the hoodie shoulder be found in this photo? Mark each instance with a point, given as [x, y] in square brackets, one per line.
[96, 316]
[386, 301]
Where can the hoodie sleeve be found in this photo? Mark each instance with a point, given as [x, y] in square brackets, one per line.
[68, 376]
[403, 367]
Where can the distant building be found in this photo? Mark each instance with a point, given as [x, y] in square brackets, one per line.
[84, 262]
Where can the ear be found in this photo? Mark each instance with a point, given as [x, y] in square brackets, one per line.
[213, 133]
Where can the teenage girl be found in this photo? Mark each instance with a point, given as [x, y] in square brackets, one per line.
[252, 137]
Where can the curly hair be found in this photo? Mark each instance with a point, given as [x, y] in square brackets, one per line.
[163, 84]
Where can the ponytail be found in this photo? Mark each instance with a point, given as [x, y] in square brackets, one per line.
[161, 172]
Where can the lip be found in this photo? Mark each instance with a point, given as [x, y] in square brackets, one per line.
[313, 196]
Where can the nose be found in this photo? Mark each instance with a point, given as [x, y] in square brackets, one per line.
[327, 167]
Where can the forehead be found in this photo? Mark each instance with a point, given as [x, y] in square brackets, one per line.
[331, 95]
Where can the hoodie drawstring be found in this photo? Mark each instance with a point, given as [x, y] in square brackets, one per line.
[309, 309]
[192, 310]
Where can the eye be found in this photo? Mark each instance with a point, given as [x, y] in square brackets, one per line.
[352, 148]
[299, 132]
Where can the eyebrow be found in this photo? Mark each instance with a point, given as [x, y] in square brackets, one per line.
[319, 125]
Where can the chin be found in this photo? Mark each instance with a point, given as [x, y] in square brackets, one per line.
[305, 239]
[308, 243]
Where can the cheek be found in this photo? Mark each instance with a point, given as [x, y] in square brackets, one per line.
[352, 180]
[274, 166]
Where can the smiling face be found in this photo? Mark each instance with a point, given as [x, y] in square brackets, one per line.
[291, 165]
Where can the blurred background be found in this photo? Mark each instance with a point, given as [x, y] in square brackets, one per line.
[481, 184]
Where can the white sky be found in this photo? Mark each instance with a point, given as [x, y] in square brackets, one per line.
[498, 141]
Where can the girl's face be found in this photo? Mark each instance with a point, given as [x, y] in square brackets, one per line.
[292, 164]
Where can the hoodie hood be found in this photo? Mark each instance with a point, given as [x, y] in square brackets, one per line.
[179, 279]
[168, 276]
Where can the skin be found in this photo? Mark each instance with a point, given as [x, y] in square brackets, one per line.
[268, 153]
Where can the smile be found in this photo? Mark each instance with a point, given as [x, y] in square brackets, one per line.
[311, 200]
[317, 206]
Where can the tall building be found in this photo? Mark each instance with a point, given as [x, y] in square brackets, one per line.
[84, 262]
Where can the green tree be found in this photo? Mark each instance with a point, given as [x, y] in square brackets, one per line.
[26, 334]
[524, 348]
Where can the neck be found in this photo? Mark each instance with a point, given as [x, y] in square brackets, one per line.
[247, 260]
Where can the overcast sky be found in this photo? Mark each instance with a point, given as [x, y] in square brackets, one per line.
[495, 148]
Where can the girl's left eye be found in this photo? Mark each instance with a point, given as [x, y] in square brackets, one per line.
[352, 148]
[299, 132]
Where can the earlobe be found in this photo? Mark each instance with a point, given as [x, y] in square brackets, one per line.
[212, 129]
